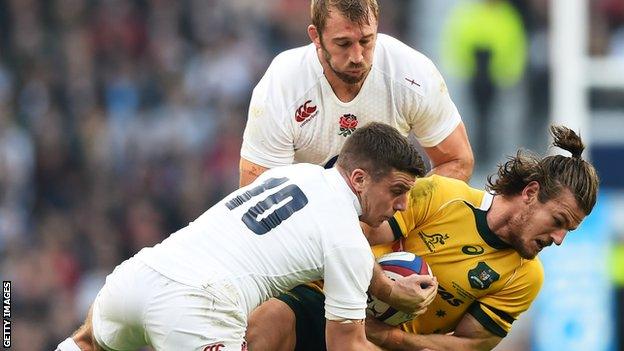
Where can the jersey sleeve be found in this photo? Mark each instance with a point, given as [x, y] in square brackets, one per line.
[432, 114]
[268, 139]
[427, 197]
[496, 312]
[348, 272]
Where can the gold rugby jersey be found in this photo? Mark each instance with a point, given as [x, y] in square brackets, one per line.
[477, 272]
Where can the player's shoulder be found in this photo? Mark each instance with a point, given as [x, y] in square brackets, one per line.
[444, 185]
[293, 58]
[292, 73]
[533, 270]
[405, 65]
[528, 277]
[297, 171]
[444, 190]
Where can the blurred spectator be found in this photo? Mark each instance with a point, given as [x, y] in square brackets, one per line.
[538, 74]
[484, 42]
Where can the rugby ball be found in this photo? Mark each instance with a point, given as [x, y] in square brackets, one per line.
[395, 265]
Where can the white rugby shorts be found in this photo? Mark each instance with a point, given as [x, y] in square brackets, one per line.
[138, 306]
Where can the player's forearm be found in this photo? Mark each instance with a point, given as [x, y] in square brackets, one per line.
[350, 345]
[399, 340]
[381, 285]
[460, 168]
[347, 335]
[249, 171]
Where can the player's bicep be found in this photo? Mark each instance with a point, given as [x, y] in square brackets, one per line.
[454, 154]
[249, 171]
[482, 338]
[268, 139]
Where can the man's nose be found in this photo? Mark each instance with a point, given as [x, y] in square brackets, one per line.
[558, 236]
[357, 54]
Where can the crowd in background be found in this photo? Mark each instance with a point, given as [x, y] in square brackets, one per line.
[121, 121]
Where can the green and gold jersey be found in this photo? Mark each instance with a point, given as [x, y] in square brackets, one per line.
[445, 223]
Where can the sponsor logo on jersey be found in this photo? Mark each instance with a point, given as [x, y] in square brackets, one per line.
[449, 297]
[347, 123]
[305, 113]
[473, 250]
[482, 276]
[432, 240]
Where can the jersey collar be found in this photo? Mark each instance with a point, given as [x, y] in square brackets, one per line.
[337, 182]
[484, 230]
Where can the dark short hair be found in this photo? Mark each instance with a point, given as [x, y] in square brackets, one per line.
[553, 173]
[379, 149]
[356, 11]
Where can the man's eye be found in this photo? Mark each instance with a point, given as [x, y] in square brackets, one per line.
[343, 45]
[558, 222]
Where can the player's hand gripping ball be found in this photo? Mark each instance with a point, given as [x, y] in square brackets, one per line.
[395, 265]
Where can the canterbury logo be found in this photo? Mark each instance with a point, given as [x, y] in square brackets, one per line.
[214, 347]
[304, 111]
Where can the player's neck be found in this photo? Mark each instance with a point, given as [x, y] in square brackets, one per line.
[344, 92]
[497, 217]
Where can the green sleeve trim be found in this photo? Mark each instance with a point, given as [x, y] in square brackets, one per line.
[502, 314]
[486, 321]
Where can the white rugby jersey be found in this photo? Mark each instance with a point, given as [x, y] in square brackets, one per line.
[292, 225]
[294, 115]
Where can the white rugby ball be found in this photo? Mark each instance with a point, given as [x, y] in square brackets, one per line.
[396, 264]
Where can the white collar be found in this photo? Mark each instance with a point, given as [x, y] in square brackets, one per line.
[337, 181]
[486, 202]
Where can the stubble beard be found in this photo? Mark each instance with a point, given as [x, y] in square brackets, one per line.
[516, 238]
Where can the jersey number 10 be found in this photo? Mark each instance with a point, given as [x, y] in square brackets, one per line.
[297, 200]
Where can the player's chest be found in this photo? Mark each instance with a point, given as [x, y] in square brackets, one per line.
[322, 127]
[327, 117]
[465, 265]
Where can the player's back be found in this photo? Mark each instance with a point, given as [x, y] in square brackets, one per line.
[279, 231]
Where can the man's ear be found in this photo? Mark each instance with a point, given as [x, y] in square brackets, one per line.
[530, 192]
[358, 179]
[314, 36]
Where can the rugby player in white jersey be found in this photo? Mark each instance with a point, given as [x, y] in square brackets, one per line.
[311, 98]
[292, 225]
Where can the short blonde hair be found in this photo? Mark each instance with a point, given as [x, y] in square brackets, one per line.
[357, 11]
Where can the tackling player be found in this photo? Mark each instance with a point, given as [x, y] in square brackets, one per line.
[294, 224]
[481, 246]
